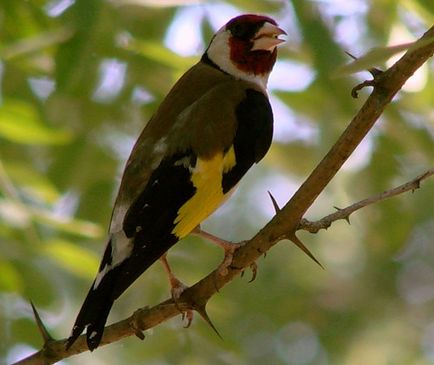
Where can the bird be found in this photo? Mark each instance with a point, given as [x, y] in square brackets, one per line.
[213, 125]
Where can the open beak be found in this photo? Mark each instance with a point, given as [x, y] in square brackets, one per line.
[267, 38]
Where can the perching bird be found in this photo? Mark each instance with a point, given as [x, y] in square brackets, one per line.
[214, 124]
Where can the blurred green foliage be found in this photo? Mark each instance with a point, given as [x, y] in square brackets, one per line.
[78, 81]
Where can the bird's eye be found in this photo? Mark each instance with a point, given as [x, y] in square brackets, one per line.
[240, 30]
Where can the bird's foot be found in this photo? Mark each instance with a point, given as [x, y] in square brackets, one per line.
[228, 247]
[177, 287]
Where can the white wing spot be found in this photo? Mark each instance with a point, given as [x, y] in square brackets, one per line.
[185, 162]
[118, 218]
[100, 275]
[121, 249]
[160, 146]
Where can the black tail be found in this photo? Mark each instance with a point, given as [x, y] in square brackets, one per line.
[94, 312]
[96, 307]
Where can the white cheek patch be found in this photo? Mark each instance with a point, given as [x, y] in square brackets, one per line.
[219, 53]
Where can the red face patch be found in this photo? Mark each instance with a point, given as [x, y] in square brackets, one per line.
[255, 62]
[243, 30]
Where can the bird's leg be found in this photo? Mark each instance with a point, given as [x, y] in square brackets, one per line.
[176, 288]
[228, 247]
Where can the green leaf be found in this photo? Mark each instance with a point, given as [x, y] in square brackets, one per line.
[20, 123]
[376, 56]
[10, 279]
[160, 54]
[14, 213]
[34, 44]
[82, 262]
[77, 227]
[159, 3]
[32, 182]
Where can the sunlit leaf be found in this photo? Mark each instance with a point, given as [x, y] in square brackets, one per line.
[377, 56]
[159, 3]
[82, 262]
[158, 53]
[32, 182]
[10, 279]
[37, 43]
[20, 122]
[73, 226]
[14, 213]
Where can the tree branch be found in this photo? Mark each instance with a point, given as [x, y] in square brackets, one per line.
[284, 224]
[326, 222]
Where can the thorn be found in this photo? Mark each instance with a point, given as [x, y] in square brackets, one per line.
[202, 311]
[347, 217]
[134, 323]
[302, 247]
[375, 72]
[139, 334]
[349, 54]
[275, 205]
[42, 329]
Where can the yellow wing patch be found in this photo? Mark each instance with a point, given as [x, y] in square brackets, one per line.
[207, 179]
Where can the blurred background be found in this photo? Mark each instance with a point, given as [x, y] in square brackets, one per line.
[78, 81]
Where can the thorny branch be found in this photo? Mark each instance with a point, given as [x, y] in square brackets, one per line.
[344, 213]
[283, 225]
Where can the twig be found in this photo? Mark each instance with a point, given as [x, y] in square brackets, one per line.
[326, 222]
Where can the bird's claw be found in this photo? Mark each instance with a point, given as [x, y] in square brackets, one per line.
[229, 248]
[188, 317]
[177, 288]
[254, 267]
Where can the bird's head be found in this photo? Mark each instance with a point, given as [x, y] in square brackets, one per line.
[246, 47]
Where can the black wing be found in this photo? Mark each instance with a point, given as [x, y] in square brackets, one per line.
[253, 136]
[148, 224]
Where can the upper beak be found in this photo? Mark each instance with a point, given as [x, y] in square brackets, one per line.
[266, 38]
